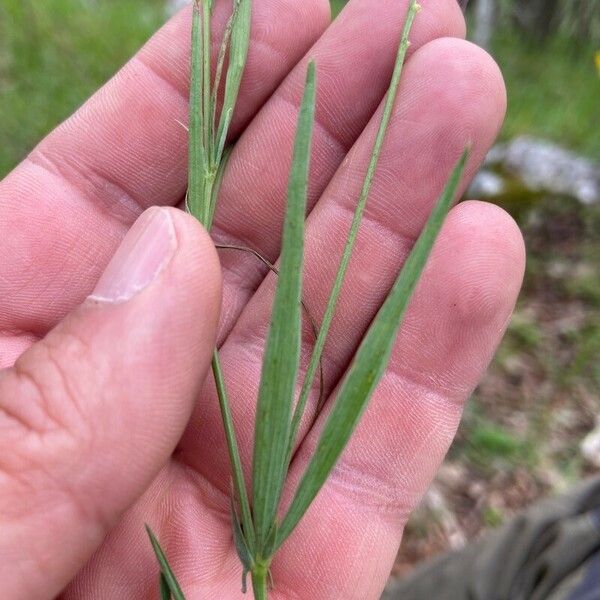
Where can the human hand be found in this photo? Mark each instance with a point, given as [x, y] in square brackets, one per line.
[103, 422]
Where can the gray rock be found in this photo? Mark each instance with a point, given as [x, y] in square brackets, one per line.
[590, 448]
[545, 167]
[392, 591]
[174, 5]
[487, 184]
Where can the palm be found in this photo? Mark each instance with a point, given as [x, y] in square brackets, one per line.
[124, 152]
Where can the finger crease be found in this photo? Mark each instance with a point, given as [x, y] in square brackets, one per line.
[99, 190]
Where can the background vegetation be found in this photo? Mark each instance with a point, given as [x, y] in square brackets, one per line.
[54, 54]
[522, 432]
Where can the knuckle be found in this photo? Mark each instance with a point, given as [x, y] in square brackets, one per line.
[45, 437]
[48, 393]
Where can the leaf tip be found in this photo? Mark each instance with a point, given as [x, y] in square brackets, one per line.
[466, 154]
[311, 73]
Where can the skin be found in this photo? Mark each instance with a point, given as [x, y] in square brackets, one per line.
[101, 432]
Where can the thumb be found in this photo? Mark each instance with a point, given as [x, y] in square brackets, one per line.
[89, 415]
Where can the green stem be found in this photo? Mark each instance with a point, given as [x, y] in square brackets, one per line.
[207, 195]
[260, 582]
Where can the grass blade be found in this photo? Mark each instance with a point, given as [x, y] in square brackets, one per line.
[165, 592]
[238, 54]
[353, 233]
[207, 128]
[198, 158]
[217, 186]
[167, 573]
[369, 364]
[282, 354]
[234, 453]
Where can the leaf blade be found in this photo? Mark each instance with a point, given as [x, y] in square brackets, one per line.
[169, 577]
[197, 153]
[239, 481]
[165, 592]
[282, 354]
[238, 53]
[369, 364]
[328, 315]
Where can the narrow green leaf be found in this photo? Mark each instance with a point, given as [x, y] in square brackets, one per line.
[220, 143]
[207, 128]
[316, 357]
[234, 453]
[197, 153]
[166, 570]
[238, 54]
[165, 592]
[224, 161]
[282, 354]
[370, 363]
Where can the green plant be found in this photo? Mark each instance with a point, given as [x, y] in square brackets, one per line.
[257, 530]
[55, 54]
[337, 5]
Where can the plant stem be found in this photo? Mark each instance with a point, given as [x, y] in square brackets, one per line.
[260, 579]
[209, 184]
[224, 161]
[207, 164]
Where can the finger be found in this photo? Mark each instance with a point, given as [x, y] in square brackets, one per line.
[70, 203]
[89, 415]
[354, 58]
[452, 94]
[453, 326]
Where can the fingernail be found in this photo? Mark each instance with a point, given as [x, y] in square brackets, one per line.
[144, 253]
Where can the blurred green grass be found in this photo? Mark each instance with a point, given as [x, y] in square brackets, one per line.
[553, 90]
[54, 54]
